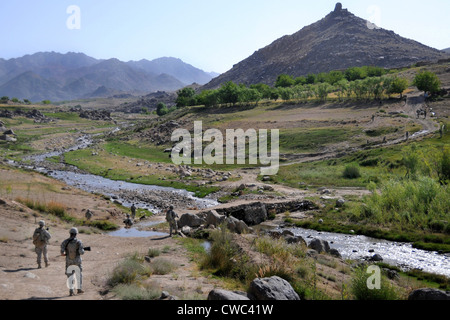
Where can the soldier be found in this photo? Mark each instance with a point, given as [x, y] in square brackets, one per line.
[128, 222]
[89, 214]
[40, 241]
[133, 211]
[72, 249]
[171, 217]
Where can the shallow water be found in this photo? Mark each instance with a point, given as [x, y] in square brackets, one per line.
[394, 253]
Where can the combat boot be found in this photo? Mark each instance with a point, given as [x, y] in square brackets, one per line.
[39, 266]
[47, 264]
[79, 291]
[71, 293]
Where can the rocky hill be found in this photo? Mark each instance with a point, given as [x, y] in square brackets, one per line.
[56, 77]
[338, 41]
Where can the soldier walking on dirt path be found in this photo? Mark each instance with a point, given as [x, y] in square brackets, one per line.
[40, 241]
[73, 249]
[171, 217]
[128, 222]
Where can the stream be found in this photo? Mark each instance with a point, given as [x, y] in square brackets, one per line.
[350, 246]
[398, 254]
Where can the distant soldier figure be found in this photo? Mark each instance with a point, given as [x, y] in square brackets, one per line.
[373, 118]
[133, 211]
[73, 249]
[407, 135]
[171, 217]
[441, 130]
[128, 222]
[89, 214]
[40, 241]
[384, 140]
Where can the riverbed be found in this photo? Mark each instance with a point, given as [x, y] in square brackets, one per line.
[350, 246]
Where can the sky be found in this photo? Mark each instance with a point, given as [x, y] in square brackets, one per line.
[211, 35]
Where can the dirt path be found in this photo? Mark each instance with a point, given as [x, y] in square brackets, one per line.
[20, 279]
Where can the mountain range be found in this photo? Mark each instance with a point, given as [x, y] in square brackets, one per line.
[336, 42]
[56, 77]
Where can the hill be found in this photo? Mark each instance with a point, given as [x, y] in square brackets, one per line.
[447, 50]
[56, 76]
[174, 67]
[338, 41]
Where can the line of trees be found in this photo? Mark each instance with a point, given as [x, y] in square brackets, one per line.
[369, 83]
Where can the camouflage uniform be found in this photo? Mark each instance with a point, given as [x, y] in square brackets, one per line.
[128, 222]
[40, 241]
[89, 214]
[171, 218]
[73, 249]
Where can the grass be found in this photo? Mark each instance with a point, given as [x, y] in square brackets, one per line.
[60, 210]
[134, 292]
[308, 140]
[361, 290]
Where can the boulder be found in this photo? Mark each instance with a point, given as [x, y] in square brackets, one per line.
[236, 225]
[335, 253]
[8, 138]
[225, 295]
[319, 245]
[287, 233]
[376, 258]
[252, 214]
[190, 220]
[295, 240]
[429, 294]
[273, 288]
[340, 203]
[213, 218]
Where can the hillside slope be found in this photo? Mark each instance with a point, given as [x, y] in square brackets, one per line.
[338, 41]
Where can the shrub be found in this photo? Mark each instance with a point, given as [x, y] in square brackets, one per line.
[351, 171]
[162, 266]
[153, 252]
[128, 271]
[134, 292]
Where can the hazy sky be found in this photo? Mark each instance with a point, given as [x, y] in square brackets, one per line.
[209, 34]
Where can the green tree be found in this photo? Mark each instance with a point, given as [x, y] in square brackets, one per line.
[323, 90]
[161, 109]
[300, 81]
[46, 102]
[229, 93]
[284, 81]
[285, 93]
[185, 97]
[263, 89]
[355, 73]
[334, 77]
[208, 98]
[427, 81]
[311, 79]
[398, 85]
